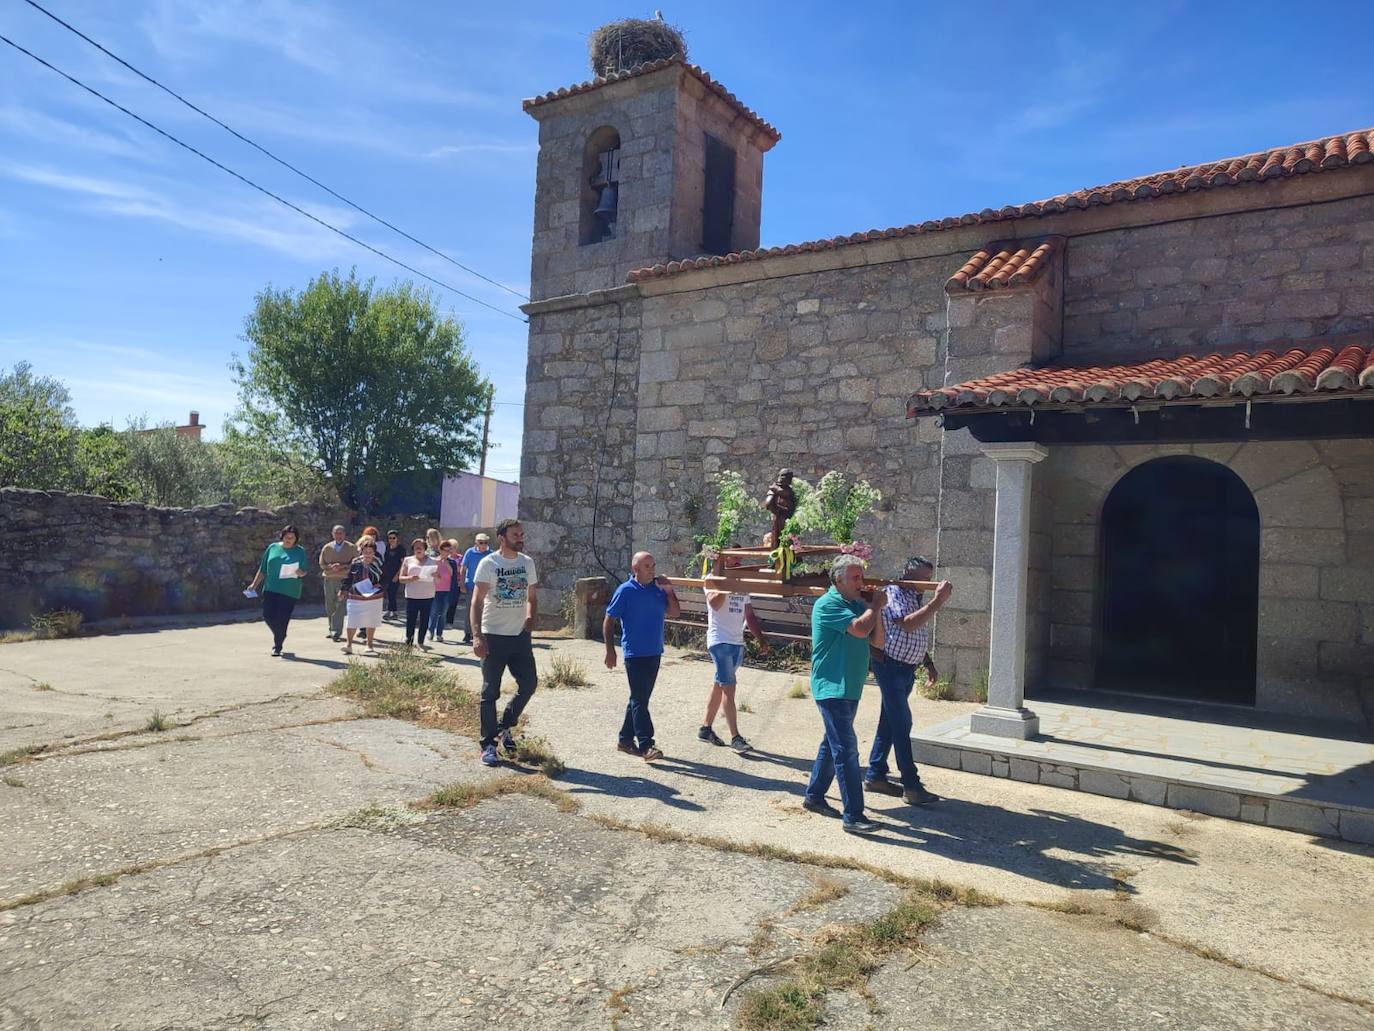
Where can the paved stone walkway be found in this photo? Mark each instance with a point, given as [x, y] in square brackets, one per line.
[226, 886]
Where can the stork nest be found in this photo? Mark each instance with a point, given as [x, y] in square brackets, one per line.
[621, 45]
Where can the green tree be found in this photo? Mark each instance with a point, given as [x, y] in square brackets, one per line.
[102, 460]
[38, 431]
[366, 382]
[165, 468]
[258, 472]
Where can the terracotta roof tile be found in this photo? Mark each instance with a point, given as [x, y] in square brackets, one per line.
[1343, 364]
[1010, 263]
[645, 69]
[1352, 148]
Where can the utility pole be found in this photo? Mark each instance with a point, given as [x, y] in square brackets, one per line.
[486, 429]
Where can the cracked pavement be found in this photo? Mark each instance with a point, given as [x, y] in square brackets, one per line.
[225, 888]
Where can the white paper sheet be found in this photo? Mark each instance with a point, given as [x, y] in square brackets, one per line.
[250, 593]
[288, 570]
[366, 588]
[428, 572]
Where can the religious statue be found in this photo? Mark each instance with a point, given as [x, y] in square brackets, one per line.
[782, 503]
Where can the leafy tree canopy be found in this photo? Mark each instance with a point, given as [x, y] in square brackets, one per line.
[38, 432]
[367, 382]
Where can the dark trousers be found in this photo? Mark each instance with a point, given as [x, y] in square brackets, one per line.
[838, 757]
[895, 681]
[642, 672]
[417, 613]
[516, 653]
[467, 614]
[392, 589]
[453, 598]
[276, 613]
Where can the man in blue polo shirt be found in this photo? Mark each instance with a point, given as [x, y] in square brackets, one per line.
[641, 604]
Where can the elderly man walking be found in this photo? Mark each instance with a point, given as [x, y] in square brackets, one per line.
[335, 558]
[641, 603]
[842, 628]
[906, 629]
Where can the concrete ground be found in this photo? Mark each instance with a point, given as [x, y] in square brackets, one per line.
[219, 874]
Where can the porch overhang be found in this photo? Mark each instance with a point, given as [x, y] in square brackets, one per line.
[1322, 389]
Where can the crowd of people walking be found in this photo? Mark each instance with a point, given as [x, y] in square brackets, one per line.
[362, 582]
[887, 633]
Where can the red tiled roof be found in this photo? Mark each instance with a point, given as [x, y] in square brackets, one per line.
[1303, 367]
[1011, 263]
[645, 69]
[1352, 148]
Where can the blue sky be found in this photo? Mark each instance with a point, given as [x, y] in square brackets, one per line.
[127, 266]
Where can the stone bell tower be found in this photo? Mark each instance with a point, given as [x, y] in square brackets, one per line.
[648, 165]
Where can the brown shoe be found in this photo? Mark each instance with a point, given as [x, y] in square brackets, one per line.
[629, 750]
[651, 753]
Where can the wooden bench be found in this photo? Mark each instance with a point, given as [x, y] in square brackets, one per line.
[786, 618]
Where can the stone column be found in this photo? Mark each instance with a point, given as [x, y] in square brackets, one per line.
[1004, 715]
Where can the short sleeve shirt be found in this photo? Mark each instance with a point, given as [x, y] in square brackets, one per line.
[725, 625]
[641, 609]
[839, 660]
[909, 646]
[472, 558]
[276, 556]
[509, 581]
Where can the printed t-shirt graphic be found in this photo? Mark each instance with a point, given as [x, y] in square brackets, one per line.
[509, 581]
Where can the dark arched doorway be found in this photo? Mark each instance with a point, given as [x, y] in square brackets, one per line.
[1179, 583]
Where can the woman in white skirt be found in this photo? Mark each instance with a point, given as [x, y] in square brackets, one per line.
[362, 589]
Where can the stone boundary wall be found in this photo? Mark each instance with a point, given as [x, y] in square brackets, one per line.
[109, 559]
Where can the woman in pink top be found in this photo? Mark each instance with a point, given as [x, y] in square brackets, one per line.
[443, 583]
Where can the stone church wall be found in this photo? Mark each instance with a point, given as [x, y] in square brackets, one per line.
[1214, 281]
[810, 371]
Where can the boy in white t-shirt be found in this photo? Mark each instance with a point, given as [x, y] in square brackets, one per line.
[726, 616]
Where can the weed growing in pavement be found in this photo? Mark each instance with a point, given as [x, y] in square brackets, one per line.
[565, 671]
[826, 890]
[743, 707]
[156, 722]
[377, 817]
[13, 782]
[42, 685]
[936, 690]
[843, 963]
[798, 690]
[410, 686]
[465, 795]
[980, 685]
[536, 751]
[15, 755]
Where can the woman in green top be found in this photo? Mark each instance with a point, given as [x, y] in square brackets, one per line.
[280, 572]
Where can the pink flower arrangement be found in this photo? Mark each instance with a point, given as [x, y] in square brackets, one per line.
[861, 550]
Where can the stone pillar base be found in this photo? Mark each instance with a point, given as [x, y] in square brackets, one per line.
[591, 595]
[999, 722]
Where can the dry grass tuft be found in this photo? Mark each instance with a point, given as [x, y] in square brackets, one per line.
[43, 685]
[19, 754]
[410, 686]
[465, 795]
[824, 891]
[61, 623]
[12, 782]
[536, 751]
[156, 722]
[798, 690]
[565, 671]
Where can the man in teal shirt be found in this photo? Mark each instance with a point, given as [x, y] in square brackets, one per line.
[842, 627]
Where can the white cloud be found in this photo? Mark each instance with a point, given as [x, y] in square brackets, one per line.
[26, 121]
[260, 222]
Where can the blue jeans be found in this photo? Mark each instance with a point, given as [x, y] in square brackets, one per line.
[642, 672]
[895, 681]
[436, 614]
[839, 752]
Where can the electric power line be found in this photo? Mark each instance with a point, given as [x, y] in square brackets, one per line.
[258, 147]
[261, 189]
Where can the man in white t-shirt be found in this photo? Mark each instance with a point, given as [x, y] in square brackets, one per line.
[726, 616]
[501, 616]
